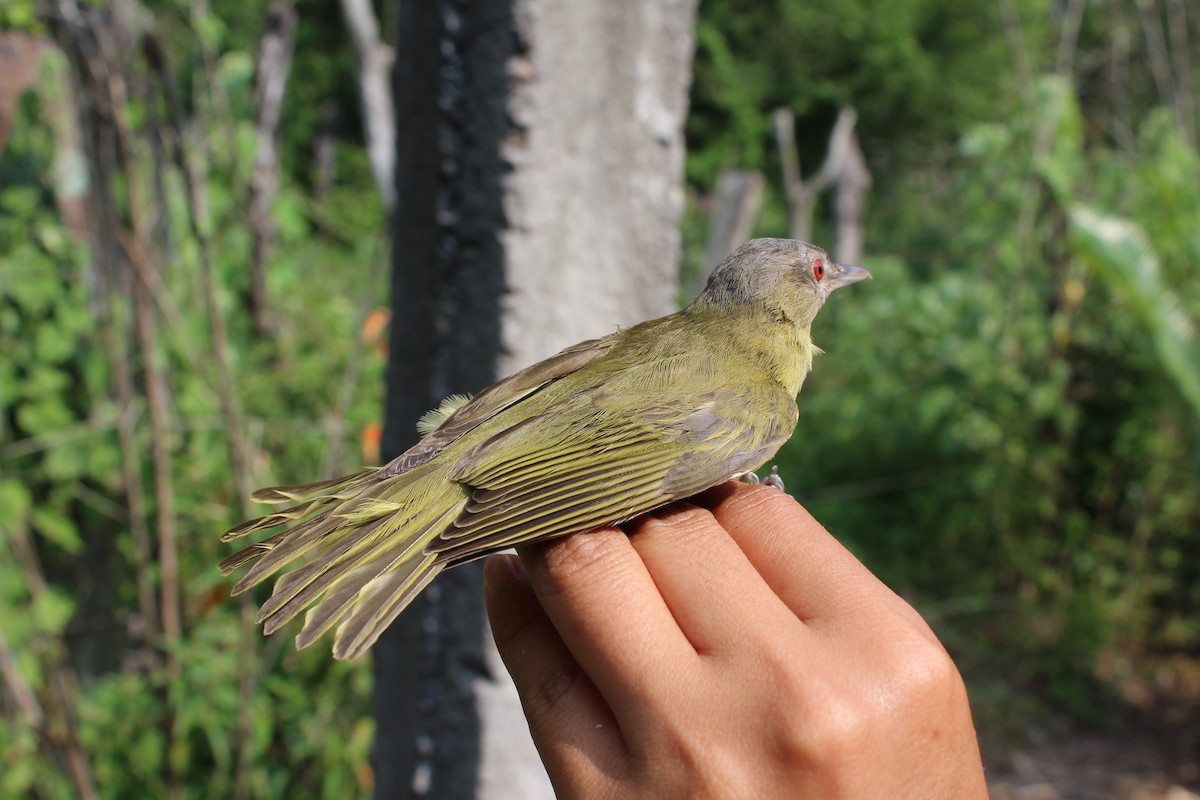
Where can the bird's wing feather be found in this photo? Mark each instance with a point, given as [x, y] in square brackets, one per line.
[496, 398]
[591, 463]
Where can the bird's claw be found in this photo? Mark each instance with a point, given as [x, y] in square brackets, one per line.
[773, 479]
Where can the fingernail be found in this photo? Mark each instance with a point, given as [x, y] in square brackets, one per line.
[500, 570]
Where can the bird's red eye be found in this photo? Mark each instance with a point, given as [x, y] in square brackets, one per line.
[818, 269]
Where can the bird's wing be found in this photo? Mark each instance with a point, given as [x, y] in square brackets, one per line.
[592, 463]
[308, 506]
[496, 398]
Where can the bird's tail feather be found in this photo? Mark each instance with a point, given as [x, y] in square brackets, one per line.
[277, 495]
[381, 602]
[308, 498]
[365, 553]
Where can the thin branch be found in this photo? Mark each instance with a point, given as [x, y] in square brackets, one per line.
[802, 194]
[1045, 126]
[1185, 106]
[374, 71]
[113, 333]
[852, 188]
[874, 487]
[18, 688]
[789, 158]
[1156, 51]
[1010, 19]
[146, 326]
[274, 66]
[45, 441]
[1068, 40]
[208, 82]
[134, 243]
[230, 412]
[1120, 44]
[180, 423]
[100, 503]
[62, 690]
[325, 151]
[83, 45]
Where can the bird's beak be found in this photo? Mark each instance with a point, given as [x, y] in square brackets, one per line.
[844, 275]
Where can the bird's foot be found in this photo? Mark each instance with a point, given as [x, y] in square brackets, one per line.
[771, 480]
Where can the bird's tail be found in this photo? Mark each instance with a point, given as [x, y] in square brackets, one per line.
[364, 542]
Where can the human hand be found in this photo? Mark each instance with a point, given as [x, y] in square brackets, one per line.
[728, 649]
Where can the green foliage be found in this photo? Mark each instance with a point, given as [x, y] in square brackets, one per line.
[889, 60]
[1122, 254]
[298, 722]
[19, 15]
[1006, 426]
[45, 339]
[1009, 430]
[304, 739]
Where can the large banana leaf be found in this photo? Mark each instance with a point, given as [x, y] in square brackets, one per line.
[1120, 253]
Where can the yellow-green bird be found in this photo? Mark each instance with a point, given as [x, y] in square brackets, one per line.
[595, 435]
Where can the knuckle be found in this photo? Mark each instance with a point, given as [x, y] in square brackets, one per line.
[832, 727]
[675, 522]
[552, 690]
[817, 718]
[570, 558]
[762, 500]
[923, 669]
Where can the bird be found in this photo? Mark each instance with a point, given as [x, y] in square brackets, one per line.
[595, 435]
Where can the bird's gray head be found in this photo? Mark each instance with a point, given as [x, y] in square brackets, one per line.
[787, 278]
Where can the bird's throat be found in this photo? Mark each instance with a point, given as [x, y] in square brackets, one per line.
[772, 341]
[795, 360]
[786, 350]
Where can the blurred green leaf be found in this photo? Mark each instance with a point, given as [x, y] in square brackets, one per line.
[46, 415]
[14, 499]
[52, 609]
[1122, 255]
[57, 529]
[1059, 122]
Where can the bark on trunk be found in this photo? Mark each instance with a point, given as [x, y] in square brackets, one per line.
[539, 186]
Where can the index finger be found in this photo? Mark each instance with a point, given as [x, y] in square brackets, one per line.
[610, 614]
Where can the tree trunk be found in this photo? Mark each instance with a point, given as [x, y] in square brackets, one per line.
[539, 170]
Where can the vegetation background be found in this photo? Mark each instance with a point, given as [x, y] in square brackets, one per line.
[1006, 430]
